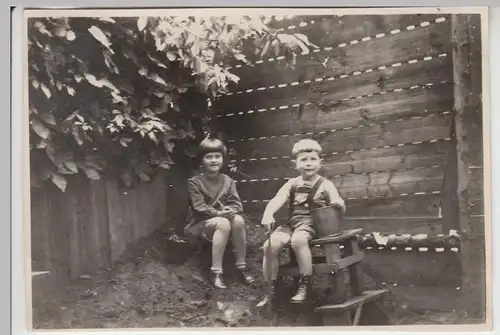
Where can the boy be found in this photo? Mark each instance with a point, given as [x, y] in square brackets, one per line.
[300, 228]
[215, 209]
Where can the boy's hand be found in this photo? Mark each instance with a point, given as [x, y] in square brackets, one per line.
[339, 206]
[268, 222]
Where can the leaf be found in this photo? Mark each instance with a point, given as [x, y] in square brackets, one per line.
[48, 118]
[124, 141]
[169, 145]
[142, 22]
[240, 57]
[70, 35]
[71, 90]
[40, 129]
[43, 144]
[266, 48]
[92, 173]
[153, 137]
[46, 91]
[233, 77]
[107, 19]
[143, 176]
[126, 176]
[71, 165]
[59, 181]
[155, 77]
[171, 56]
[101, 37]
[165, 162]
[93, 80]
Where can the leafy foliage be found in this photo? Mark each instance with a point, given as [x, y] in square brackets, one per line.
[128, 96]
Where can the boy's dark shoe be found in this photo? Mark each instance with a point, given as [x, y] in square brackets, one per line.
[303, 291]
[218, 280]
[244, 276]
[269, 298]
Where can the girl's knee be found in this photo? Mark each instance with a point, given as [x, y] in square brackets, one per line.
[238, 222]
[223, 224]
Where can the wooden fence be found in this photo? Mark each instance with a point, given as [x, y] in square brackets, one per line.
[379, 95]
[90, 225]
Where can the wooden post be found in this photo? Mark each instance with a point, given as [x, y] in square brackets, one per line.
[467, 71]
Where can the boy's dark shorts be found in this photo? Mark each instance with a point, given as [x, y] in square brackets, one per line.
[298, 223]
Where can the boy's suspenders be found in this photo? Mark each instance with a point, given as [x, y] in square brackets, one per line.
[310, 196]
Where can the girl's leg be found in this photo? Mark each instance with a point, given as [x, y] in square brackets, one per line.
[238, 236]
[222, 229]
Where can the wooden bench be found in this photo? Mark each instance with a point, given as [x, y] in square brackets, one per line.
[336, 314]
[334, 263]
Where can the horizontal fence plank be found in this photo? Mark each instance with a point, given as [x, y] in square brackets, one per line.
[344, 28]
[331, 93]
[382, 159]
[392, 225]
[424, 129]
[427, 205]
[358, 112]
[421, 42]
[360, 185]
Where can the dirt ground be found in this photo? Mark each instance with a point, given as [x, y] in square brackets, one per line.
[148, 289]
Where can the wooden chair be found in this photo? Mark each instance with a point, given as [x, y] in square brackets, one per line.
[334, 263]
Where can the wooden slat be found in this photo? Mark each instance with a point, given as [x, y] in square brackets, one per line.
[40, 230]
[423, 129]
[330, 92]
[382, 159]
[350, 27]
[394, 225]
[378, 108]
[414, 205]
[366, 185]
[100, 224]
[418, 43]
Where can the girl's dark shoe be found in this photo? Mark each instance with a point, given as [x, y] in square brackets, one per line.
[303, 291]
[244, 276]
[218, 280]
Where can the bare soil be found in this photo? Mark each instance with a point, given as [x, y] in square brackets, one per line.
[149, 288]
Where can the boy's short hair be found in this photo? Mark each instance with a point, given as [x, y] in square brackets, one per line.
[306, 145]
[209, 145]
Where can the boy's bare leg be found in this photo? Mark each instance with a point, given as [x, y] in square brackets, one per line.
[300, 245]
[278, 241]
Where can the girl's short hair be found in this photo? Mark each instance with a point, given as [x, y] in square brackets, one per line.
[306, 145]
[209, 145]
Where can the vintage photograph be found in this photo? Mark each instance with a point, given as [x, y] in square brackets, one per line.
[257, 167]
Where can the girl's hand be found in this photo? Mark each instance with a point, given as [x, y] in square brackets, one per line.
[226, 211]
